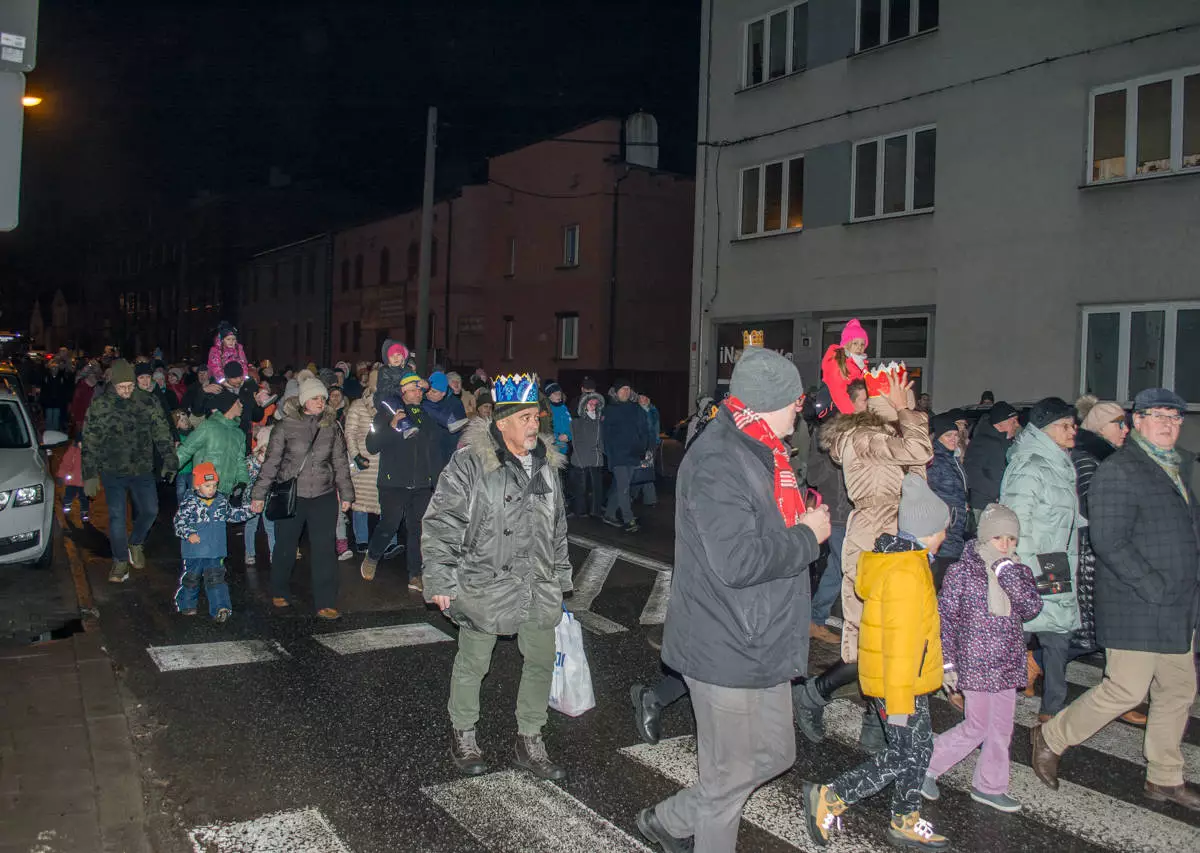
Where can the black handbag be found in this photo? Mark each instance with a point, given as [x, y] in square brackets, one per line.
[281, 499]
[1055, 577]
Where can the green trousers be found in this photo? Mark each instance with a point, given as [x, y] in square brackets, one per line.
[473, 661]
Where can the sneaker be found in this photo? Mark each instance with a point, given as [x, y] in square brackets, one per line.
[191, 612]
[929, 789]
[222, 615]
[367, 569]
[137, 556]
[631, 527]
[913, 831]
[299, 554]
[341, 546]
[822, 810]
[392, 551]
[465, 752]
[360, 547]
[653, 831]
[250, 560]
[345, 555]
[457, 426]
[416, 584]
[329, 614]
[647, 713]
[530, 754]
[1000, 802]
[119, 573]
[611, 522]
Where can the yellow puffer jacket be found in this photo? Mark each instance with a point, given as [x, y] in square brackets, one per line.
[900, 645]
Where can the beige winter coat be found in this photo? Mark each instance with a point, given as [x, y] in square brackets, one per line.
[874, 455]
[366, 483]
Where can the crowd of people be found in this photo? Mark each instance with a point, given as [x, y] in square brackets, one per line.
[975, 559]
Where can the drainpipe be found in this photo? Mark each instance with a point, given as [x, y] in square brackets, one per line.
[612, 280]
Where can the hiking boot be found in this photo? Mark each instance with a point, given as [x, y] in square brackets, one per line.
[822, 808]
[1044, 760]
[530, 754]
[1000, 802]
[367, 569]
[222, 615]
[137, 556]
[823, 634]
[647, 713]
[1181, 795]
[914, 832]
[416, 584]
[811, 722]
[1032, 671]
[930, 791]
[329, 614]
[465, 752]
[653, 831]
[1134, 718]
[119, 573]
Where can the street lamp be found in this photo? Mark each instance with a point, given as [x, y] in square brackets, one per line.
[30, 101]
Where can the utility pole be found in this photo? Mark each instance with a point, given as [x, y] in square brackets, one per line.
[426, 244]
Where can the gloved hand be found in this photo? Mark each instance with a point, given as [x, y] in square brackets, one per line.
[91, 487]
[900, 720]
[950, 679]
[167, 473]
[1001, 565]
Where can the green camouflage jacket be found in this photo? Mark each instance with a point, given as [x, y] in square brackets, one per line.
[120, 436]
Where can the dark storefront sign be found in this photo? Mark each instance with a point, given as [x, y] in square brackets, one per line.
[732, 339]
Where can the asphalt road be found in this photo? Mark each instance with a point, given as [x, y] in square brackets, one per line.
[324, 741]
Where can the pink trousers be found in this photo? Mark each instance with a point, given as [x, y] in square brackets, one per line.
[989, 723]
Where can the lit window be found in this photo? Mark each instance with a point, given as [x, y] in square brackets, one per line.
[775, 44]
[883, 21]
[1145, 127]
[894, 175]
[772, 198]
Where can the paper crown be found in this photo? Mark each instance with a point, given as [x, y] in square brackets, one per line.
[517, 389]
[753, 338]
[877, 378]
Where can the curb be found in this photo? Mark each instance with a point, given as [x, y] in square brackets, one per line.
[83, 587]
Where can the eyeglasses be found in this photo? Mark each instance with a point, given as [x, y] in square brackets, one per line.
[1172, 420]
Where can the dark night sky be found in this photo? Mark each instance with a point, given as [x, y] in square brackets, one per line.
[148, 102]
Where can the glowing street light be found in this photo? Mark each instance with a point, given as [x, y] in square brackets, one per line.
[30, 101]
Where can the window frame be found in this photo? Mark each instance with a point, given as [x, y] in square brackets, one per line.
[512, 257]
[762, 197]
[885, 8]
[1130, 88]
[1124, 312]
[789, 61]
[561, 349]
[510, 335]
[910, 159]
[569, 261]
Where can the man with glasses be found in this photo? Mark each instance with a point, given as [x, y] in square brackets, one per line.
[1144, 529]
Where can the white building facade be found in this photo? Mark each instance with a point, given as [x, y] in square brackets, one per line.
[1006, 194]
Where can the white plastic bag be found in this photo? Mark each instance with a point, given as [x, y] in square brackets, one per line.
[571, 691]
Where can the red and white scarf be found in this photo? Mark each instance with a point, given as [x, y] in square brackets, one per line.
[788, 497]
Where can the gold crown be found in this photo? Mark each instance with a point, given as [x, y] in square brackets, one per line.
[753, 338]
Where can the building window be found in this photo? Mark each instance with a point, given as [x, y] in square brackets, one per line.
[1145, 127]
[894, 175]
[772, 198]
[512, 257]
[509, 337]
[901, 337]
[357, 337]
[775, 45]
[385, 264]
[312, 273]
[414, 260]
[343, 333]
[345, 274]
[358, 272]
[568, 336]
[883, 21]
[1129, 348]
[571, 246]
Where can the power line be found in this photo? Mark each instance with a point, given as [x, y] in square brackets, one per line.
[726, 143]
[545, 195]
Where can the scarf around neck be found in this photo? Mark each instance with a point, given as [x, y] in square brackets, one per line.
[1168, 460]
[787, 491]
[998, 602]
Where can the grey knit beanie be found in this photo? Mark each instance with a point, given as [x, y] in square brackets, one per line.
[765, 381]
[998, 520]
[922, 513]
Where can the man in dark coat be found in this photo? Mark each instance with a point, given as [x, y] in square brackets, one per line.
[739, 604]
[987, 457]
[626, 443]
[1145, 529]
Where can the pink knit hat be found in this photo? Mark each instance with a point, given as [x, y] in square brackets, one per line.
[854, 331]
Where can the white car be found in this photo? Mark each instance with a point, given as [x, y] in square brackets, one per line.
[26, 486]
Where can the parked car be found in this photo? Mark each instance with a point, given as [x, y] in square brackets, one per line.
[26, 485]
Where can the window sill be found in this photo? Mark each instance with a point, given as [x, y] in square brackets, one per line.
[752, 238]
[567, 267]
[510, 275]
[908, 214]
[1138, 179]
[755, 86]
[872, 50]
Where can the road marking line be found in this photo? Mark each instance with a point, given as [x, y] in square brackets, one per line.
[1087, 675]
[628, 556]
[511, 812]
[655, 611]
[597, 624]
[386, 637]
[592, 576]
[83, 587]
[777, 808]
[204, 655]
[301, 831]
[1090, 815]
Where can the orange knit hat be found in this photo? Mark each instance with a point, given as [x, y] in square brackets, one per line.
[205, 472]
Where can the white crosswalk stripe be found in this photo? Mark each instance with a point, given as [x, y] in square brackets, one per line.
[655, 611]
[205, 655]
[386, 637]
[301, 831]
[590, 579]
[512, 812]
[1086, 675]
[597, 624]
[1090, 815]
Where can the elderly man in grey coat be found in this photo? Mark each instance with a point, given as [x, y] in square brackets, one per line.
[494, 542]
[737, 623]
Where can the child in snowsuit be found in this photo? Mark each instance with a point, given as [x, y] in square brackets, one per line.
[70, 473]
[392, 376]
[200, 524]
[985, 598]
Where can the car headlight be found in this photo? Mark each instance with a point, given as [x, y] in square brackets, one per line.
[24, 496]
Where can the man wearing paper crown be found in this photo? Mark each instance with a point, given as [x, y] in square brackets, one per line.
[495, 549]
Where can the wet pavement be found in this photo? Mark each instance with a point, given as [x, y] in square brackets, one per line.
[315, 747]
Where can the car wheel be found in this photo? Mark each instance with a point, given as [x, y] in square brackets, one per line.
[47, 557]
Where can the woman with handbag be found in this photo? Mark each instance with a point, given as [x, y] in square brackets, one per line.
[304, 481]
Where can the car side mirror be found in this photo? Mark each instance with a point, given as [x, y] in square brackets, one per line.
[53, 438]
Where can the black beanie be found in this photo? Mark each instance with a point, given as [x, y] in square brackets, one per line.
[1048, 410]
[233, 370]
[143, 368]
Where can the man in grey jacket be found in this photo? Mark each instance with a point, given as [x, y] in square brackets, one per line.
[737, 623]
[494, 540]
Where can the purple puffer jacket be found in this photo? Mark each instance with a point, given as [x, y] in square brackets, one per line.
[987, 651]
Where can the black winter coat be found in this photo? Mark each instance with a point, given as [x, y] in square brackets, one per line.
[406, 463]
[58, 390]
[987, 459]
[626, 434]
[825, 475]
[1147, 542]
[1089, 451]
[949, 482]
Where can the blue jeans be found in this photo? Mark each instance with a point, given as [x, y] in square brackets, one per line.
[618, 494]
[183, 482]
[212, 569]
[362, 532]
[830, 585]
[252, 531]
[141, 490]
[53, 418]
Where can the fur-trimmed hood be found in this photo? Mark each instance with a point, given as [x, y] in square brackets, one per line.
[581, 408]
[479, 441]
[292, 409]
[833, 434]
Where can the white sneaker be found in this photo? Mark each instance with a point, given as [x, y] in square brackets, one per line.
[249, 560]
[348, 554]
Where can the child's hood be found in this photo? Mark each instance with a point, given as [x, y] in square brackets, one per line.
[874, 568]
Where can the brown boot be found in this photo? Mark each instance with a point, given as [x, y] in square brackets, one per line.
[823, 634]
[1180, 794]
[1134, 718]
[1032, 671]
[1044, 760]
